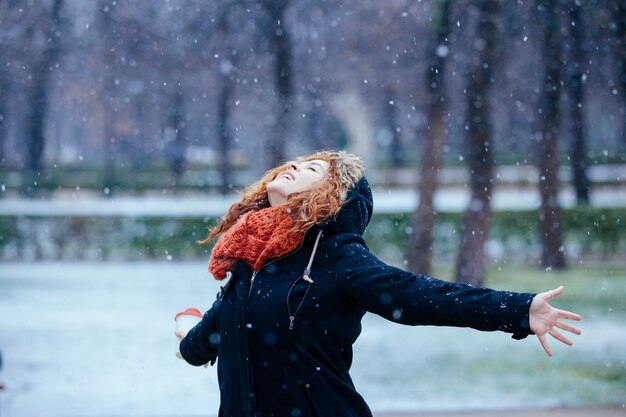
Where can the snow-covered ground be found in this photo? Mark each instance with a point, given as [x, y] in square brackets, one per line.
[96, 339]
[385, 201]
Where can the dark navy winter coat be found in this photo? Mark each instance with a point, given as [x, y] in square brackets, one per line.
[285, 345]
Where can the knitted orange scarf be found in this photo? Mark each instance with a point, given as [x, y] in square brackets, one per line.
[256, 237]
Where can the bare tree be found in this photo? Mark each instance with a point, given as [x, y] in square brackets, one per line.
[314, 118]
[550, 226]
[576, 91]
[224, 133]
[391, 122]
[227, 69]
[4, 92]
[471, 264]
[49, 20]
[178, 141]
[420, 241]
[618, 26]
[107, 88]
[6, 55]
[281, 47]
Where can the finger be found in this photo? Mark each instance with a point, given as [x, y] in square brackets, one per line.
[544, 344]
[553, 293]
[557, 291]
[558, 336]
[179, 335]
[179, 356]
[569, 315]
[568, 327]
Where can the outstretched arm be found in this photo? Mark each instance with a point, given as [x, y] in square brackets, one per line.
[544, 318]
[414, 299]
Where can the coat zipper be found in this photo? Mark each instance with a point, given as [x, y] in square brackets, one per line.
[306, 276]
[252, 282]
[254, 273]
[251, 366]
[292, 317]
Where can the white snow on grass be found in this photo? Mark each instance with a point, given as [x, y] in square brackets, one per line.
[399, 368]
[96, 339]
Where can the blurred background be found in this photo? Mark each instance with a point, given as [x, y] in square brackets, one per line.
[494, 136]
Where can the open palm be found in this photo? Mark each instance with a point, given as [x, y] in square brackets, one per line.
[545, 319]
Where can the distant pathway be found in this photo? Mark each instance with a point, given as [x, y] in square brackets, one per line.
[385, 201]
[553, 412]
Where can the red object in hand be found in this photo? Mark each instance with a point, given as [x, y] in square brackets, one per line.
[190, 312]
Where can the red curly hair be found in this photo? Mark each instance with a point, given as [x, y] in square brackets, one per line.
[307, 208]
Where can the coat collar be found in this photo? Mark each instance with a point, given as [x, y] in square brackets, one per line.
[354, 215]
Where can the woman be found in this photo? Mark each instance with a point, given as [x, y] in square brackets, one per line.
[300, 278]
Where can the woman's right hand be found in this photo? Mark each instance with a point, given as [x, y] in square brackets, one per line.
[544, 319]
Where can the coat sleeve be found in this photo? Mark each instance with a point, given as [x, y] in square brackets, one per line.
[414, 299]
[200, 345]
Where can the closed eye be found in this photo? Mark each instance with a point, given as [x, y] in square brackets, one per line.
[315, 167]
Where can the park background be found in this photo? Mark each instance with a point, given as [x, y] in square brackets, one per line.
[494, 136]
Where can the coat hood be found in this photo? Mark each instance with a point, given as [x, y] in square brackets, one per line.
[355, 212]
[347, 166]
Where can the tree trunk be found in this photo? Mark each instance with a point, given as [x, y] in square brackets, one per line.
[549, 211]
[577, 139]
[471, 263]
[619, 19]
[314, 134]
[419, 253]
[392, 124]
[38, 106]
[224, 132]
[110, 140]
[106, 101]
[38, 100]
[179, 144]
[281, 48]
[4, 93]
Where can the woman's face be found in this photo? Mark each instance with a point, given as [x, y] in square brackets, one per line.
[298, 177]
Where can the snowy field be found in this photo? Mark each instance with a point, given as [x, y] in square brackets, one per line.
[92, 339]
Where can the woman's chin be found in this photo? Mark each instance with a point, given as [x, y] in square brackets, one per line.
[276, 194]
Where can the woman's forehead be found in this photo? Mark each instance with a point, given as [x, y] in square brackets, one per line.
[318, 161]
[310, 160]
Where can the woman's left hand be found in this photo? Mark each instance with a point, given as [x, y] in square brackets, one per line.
[544, 318]
[181, 335]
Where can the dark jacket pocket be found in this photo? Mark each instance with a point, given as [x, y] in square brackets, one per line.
[325, 400]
